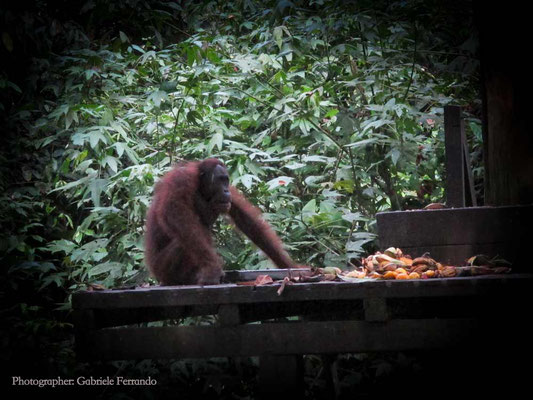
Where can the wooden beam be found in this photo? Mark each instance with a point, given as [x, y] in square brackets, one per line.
[171, 296]
[375, 309]
[105, 317]
[473, 225]
[277, 339]
[469, 231]
[250, 275]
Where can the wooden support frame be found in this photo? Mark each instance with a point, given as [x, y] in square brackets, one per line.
[375, 327]
[333, 318]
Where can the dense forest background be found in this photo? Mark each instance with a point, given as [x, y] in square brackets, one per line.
[325, 112]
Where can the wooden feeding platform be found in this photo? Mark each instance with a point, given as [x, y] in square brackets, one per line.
[332, 317]
[483, 313]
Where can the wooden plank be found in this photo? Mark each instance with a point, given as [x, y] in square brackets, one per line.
[84, 320]
[244, 313]
[501, 231]
[473, 225]
[168, 296]
[251, 275]
[458, 254]
[277, 339]
[369, 309]
[127, 316]
[455, 179]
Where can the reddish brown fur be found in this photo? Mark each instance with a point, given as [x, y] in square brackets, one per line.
[178, 246]
[250, 222]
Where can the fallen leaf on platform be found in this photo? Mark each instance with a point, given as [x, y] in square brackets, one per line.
[263, 280]
[434, 206]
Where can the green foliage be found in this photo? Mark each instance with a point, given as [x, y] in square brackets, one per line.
[324, 119]
[325, 113]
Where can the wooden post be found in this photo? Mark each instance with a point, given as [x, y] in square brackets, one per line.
[280, 375]
[455, 180]
[459, 181]
[84, 325]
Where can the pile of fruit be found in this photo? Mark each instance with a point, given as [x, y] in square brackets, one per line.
[393, 264]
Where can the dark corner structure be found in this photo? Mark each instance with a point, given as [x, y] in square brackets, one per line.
[452, 235]
[503, 226]
[486, 317]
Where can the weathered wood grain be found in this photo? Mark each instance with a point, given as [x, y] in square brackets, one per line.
[171, 296]
[453, 235]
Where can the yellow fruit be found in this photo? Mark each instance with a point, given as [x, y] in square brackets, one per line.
[401, 271]
[389, 275]
[428, 274]
[406, 261]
